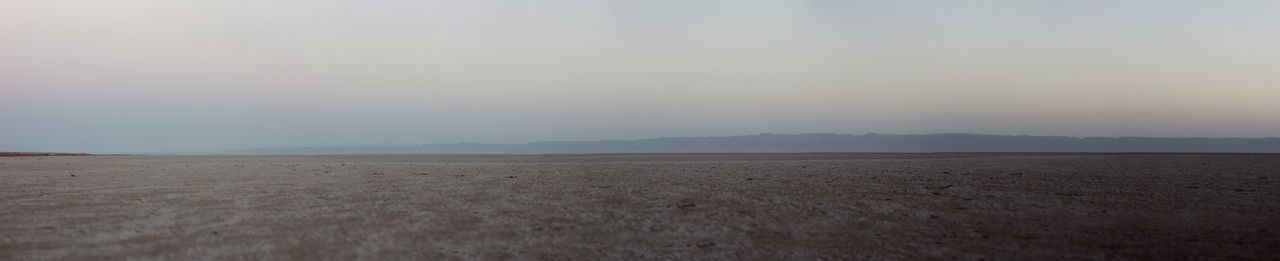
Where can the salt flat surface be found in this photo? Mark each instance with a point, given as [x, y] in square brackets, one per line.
[649, 206]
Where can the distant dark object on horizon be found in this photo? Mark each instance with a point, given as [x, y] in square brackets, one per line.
[775, 143]
[39, 154]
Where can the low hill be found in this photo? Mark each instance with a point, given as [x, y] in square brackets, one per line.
[774, 143]
[35, 154]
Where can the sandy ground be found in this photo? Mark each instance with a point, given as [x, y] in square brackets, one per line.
[573, 207]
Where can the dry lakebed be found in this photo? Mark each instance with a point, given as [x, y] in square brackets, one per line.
[820, 206]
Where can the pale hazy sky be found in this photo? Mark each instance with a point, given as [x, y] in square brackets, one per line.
[133, 76]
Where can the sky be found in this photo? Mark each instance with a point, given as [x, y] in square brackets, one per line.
[148, 76]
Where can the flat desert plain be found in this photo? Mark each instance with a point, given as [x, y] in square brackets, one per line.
[642, 206]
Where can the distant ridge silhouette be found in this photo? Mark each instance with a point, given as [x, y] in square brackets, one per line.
[780, 143]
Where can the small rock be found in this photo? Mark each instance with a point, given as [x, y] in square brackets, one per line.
[685, 205]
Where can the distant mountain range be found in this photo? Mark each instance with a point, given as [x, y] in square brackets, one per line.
[775, 143]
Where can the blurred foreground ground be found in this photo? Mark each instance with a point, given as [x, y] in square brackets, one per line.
[690, 206]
